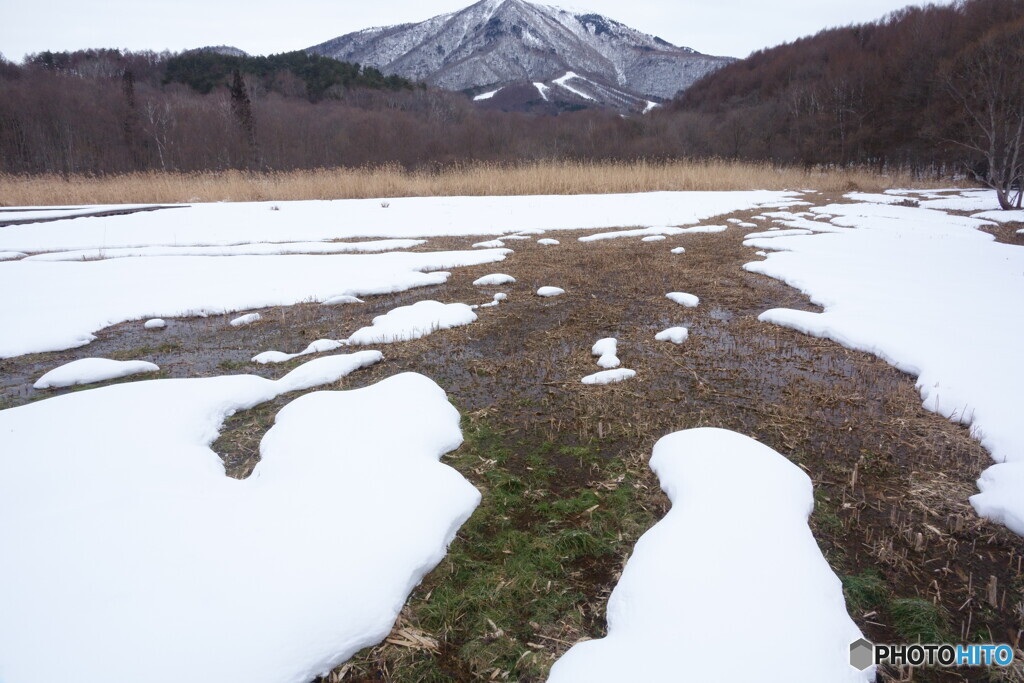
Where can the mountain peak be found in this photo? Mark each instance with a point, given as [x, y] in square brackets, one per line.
[498, 43]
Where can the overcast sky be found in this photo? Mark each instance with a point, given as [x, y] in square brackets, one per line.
[721, 27]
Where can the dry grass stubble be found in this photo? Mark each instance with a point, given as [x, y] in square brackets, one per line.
[546, 177]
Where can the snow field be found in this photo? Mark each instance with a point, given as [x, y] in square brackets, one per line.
[228, 223]
[89, 370]
[683, 587]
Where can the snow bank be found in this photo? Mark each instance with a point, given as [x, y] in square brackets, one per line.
[494, 279]
[609, 376]
[412, 322]
[11, 255]
[683, 299]
[319, 346]
[605, 348]
[89, 370]
[246, 319]
[129, 556]
[550, 291]
[61, 304]
[690, 580]
[676, 335]
[893, 286]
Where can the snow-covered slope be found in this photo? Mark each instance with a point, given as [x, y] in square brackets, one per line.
[504, 42]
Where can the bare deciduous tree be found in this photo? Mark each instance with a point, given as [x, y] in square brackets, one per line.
[987, 80]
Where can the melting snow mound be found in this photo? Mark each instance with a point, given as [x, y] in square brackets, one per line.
[609, 376]
[494, 279]
[89, 370]
[550, 291]
[134, 558]
[683, 299]
[246, 319]
[605, 348]
[690, 580]
[676, 335]
[155, 324]
[412, 322]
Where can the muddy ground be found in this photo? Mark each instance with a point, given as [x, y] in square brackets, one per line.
[562, 466]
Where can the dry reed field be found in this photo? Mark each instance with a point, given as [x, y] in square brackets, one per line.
[563, 467]
[546, 177]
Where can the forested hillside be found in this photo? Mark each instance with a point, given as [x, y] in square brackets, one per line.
[905, 91]
[881, 93]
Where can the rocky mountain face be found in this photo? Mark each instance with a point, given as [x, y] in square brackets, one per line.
[523, 55]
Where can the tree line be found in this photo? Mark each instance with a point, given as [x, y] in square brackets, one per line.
[909, 91]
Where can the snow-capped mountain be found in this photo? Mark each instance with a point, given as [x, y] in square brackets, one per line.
[553, 53]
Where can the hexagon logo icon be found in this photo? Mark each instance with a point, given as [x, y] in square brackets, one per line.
[862, 654]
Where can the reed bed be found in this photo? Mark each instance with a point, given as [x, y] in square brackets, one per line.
[545, 177]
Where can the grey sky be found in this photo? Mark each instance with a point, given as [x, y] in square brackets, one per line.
[722, 27]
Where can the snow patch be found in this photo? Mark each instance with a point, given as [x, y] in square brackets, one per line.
[548, 242]
[341, 299]
[683, 587]
[319, 346]
[89, 370]
[494, 279]
[605, 348]
[412, 322]
[486, 95]
[609, 376]
[128, 530]
[155, 324]
[683, 299]
[246, 319]
[550, 291]
[676, 335]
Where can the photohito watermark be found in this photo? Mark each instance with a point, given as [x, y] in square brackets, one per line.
[864, 653]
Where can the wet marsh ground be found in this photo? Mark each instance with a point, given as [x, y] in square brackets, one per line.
[562, 466]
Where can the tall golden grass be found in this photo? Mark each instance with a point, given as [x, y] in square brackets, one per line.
[545, 177]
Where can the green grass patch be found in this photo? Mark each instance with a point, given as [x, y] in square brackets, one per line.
[919, 620]
[865, 591]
